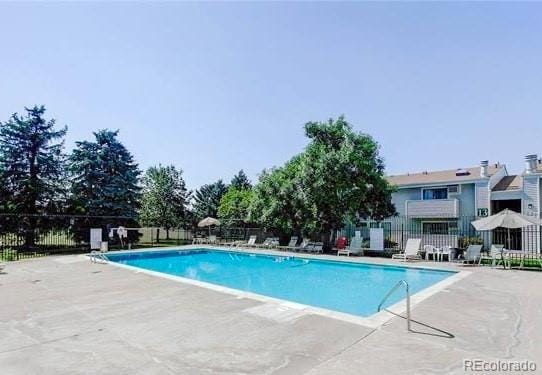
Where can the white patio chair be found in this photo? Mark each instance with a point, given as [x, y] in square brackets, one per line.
[291, 244]
[302, 246]
[317, 247]
[411, 251]
[355, 247]
[472, 254]
[448, 251]
[275, 242]
[431, 250]
[266, 243]
[250, 243]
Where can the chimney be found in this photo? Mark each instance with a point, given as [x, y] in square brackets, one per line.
[531, 162]
[483, 168]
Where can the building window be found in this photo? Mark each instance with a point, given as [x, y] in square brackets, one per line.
[454, 189]
[438, 193]
[436, 228]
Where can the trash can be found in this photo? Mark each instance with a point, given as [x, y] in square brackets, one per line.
[104, 246]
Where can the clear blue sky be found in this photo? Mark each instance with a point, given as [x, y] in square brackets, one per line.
[213, 88]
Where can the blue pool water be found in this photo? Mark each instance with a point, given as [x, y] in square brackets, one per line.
[351, 288]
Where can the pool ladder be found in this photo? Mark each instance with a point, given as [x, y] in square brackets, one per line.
[391, 291]
[98, 255]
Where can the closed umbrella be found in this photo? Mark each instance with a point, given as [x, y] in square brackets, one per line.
[505, 219]
[208, 222]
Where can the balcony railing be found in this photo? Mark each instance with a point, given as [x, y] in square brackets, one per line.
[430, 208]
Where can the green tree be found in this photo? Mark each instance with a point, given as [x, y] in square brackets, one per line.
[342, 176]
[338, 178]
[164, 198]
[234, 205]
[31, 163]
[241, 181]
[278, 200]
[207, 200]
[104, 177]
[5, 204]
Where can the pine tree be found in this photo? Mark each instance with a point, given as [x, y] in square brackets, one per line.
[240, 181]
[31, 163]
[164, 199]
[104, 177]
[207, 200]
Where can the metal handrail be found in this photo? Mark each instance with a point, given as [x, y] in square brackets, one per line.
[95, 255]
[407, 290]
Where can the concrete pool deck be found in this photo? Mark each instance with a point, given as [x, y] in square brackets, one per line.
[65, 315]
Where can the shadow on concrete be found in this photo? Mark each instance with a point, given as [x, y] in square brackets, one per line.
[425, 329]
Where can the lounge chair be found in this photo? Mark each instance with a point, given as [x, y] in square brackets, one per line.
[302, 246]
[495, 255]
[2, 266]
[250, 243]
[233, 243]
[268, 242]
[212, 240]
[472, 254]
[291, 244]
[317, 247]
[355, 247]
[411, 251]
[275, 242]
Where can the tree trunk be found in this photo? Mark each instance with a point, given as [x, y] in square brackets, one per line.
[326, 240]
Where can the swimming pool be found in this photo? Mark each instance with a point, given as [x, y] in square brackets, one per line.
[346, 287]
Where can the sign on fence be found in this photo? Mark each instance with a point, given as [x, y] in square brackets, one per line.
[95, 238]
[377, 238]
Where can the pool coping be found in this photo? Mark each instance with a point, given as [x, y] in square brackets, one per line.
[373, 321]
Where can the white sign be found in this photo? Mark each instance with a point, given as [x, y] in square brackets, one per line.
[377, 238]
[95, 238]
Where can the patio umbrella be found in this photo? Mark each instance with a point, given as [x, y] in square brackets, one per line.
[208, 222]
[505, 219]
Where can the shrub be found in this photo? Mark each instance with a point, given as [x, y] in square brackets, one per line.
[466, 241]
[8, 254]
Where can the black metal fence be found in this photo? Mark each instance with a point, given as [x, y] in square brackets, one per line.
[457, 233]
[226, 234]
[27, 236]
[23, 236]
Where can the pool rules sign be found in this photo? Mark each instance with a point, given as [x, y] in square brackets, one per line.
[377, 239]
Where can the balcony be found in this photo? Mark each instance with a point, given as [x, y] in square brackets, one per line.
[430, 208]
